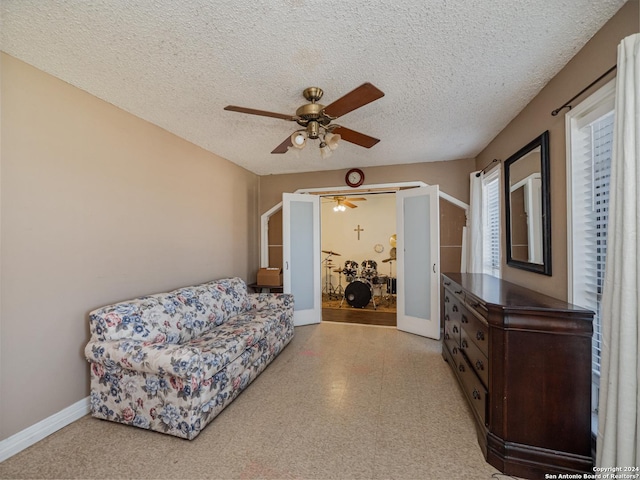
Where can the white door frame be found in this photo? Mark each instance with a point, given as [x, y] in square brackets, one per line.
[377, 188]
[327, 191]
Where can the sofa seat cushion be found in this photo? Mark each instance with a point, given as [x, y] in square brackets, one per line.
[225, 343]
[201, 357]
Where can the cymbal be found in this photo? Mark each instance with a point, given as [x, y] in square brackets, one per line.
[391, 259]
[329, 252]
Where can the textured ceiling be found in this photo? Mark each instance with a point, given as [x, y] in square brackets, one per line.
[454, 72]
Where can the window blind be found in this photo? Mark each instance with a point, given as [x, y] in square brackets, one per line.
[491, 221]
[591, 177]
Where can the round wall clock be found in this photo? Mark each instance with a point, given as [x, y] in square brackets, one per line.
[354, 177]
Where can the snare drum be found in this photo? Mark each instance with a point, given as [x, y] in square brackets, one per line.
[381, 280]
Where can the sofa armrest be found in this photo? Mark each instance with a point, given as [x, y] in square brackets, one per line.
[270, 301]
[156, 358]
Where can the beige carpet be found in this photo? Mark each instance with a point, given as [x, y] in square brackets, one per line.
[340, 402]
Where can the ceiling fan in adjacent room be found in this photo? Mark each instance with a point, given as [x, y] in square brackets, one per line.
[316, 119]
[343, 202]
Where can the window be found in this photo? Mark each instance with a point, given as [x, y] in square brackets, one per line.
[589, 140]
[491, 223]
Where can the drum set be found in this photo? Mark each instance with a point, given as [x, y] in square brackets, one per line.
[362, 279]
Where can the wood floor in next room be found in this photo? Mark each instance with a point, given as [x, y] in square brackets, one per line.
[383, 314]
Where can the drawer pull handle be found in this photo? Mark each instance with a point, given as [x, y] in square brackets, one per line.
[480, 335]
[447, 283]
[455, 350]
[455, 308]
[464, 344]
[455, 329]
[479, 365]
[446, 299]
[458, 292]
[476, 394]
[446, 317]
[446, 336]
[461, 367]
[464, 319]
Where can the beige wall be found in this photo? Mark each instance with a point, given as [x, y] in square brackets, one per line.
[98, 206]
[595, 58]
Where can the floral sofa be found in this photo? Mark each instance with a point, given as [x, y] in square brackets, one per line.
[171, 362]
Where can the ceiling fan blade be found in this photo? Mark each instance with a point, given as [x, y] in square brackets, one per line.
[356, 137]
[359, 199]
[284, 146]
[252, 111]
[349, 204]
[365, 93]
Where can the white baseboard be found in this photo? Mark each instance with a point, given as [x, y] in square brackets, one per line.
[27, 437]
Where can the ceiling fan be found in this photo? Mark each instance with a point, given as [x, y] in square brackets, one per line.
[341, 202]
[316, 119]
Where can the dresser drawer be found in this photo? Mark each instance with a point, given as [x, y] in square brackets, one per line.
[476, 305]
[453, 305]
[452, 308]
[477, 330]
[455, 353]
[478, 360]
[474, 390]
[452, 331]
[455, 289]
[452, 343]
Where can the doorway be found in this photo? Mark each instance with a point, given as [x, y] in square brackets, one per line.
[410, 307]
[358, 258]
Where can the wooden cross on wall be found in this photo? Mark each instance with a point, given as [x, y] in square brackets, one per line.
[358, 230]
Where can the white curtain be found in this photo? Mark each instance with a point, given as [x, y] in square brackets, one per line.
[619, 409]
[474, 230]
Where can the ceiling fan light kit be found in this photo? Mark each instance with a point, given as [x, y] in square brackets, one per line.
[332, 140]
[299, 139]
[316, 120]
[343, 202]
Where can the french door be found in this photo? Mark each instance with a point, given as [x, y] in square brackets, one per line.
[418, 261]
[301, 255]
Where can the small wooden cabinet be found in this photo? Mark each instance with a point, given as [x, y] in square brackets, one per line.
[523, 361]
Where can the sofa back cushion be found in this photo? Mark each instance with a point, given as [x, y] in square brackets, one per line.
[173, 317]
[229, 296]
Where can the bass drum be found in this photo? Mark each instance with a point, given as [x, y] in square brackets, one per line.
[358, 293]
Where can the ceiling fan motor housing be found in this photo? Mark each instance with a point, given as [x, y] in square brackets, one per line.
[313, 129]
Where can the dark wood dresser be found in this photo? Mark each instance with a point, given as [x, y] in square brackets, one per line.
[523, 360]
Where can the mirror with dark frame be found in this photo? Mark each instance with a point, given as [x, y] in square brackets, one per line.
[528, 207]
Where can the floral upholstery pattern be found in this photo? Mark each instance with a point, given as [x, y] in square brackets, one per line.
[173, 317]
[171, 362]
